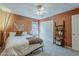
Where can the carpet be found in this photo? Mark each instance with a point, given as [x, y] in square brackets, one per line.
[43, 54]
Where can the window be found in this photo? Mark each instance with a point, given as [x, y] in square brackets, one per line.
[35, 28]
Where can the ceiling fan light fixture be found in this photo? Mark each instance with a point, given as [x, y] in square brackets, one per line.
[40, 9]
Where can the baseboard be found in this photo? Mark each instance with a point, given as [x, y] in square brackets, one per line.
[67, 46]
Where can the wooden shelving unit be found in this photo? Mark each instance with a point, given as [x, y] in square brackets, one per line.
[59, 34]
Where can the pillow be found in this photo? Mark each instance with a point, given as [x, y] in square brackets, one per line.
[35, 41]
[12, 33]
[29, 33]
[24, 33]
[18, 33]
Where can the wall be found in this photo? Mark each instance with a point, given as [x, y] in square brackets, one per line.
[13, 18]
[10, 25]
[20, 20]
[66, 16]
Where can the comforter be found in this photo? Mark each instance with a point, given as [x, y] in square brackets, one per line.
[18, 46]
[21, 50]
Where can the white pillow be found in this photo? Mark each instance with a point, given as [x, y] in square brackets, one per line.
[12, 33]
[24, 33]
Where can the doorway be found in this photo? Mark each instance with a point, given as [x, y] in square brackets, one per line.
[75, 32]
[46, 30]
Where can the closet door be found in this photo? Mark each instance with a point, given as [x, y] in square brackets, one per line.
[75, 32]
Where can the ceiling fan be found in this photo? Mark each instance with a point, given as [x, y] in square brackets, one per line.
[40, 9]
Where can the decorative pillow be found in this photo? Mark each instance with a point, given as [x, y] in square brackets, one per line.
[18, 33]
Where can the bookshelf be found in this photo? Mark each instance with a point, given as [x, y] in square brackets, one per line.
[59, 34]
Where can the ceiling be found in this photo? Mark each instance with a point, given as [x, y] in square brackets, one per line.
[27, 9]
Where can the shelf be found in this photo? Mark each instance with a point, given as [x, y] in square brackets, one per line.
[59, 34]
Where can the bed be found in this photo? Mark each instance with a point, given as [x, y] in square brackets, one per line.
[19, 45]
